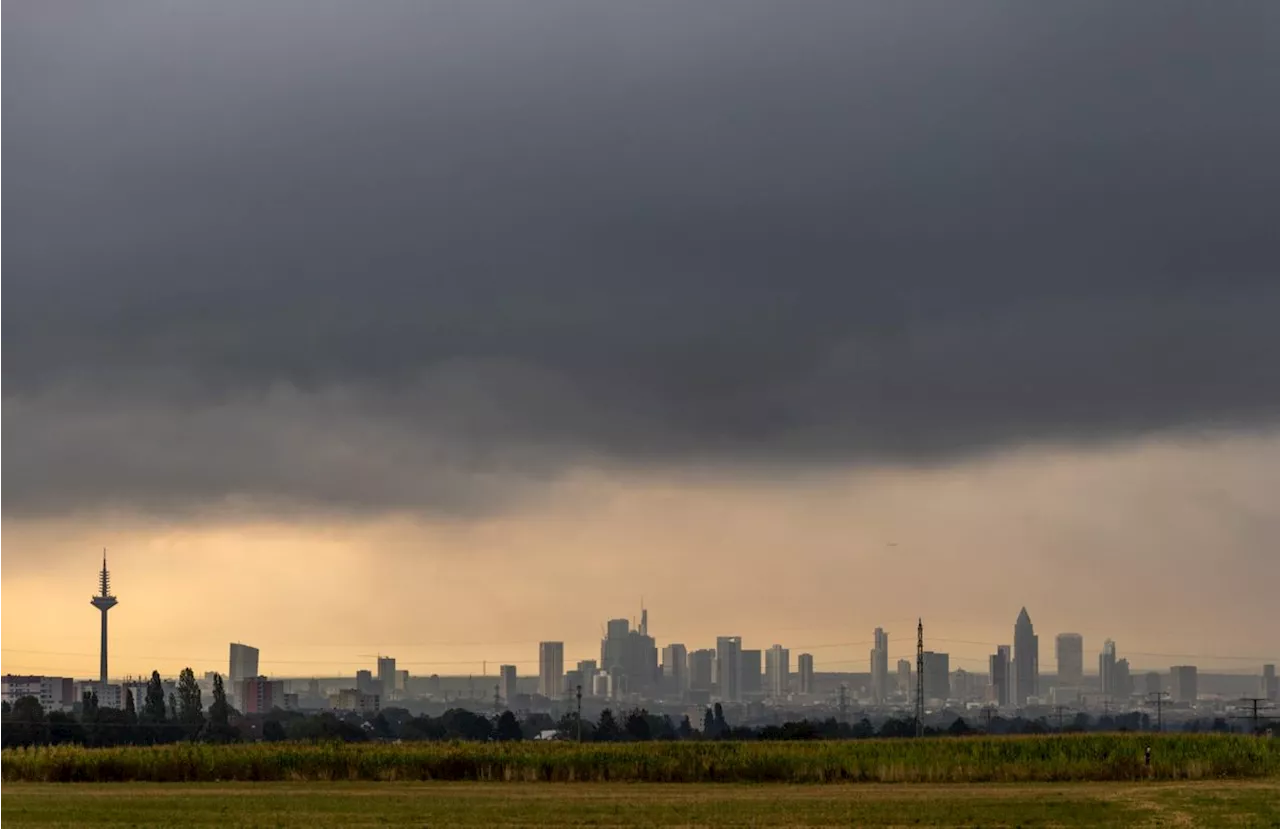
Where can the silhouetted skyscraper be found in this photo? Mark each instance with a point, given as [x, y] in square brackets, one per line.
[1026, 659]
[904, 677]
[701, 667]
[880, 666]
[613, 646]
[729, 667]
[1069, 650]
[550, 668]
[507, 684]
[937, 675]
[1123, 687]
[386, 676]
[963, 685]
[999, 669]
[804, 668]
[588, 668]
[752, 671]
[104, 601]
[675, 667]
[244, 664]
[777, 671]
[629, 655]
[1269, 687]
[1183, 684]
[1107, 668]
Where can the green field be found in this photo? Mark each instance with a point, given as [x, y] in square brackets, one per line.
[318, 805]
[1085, 757]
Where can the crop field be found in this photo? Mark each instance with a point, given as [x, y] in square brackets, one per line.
[1085, 757]
[320, 805]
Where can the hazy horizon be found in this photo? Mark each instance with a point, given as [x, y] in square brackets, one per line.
[440, 329]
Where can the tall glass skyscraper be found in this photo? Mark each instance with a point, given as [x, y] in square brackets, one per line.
[1026, 659]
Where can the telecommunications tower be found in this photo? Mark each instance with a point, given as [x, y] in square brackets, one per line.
[104, 601]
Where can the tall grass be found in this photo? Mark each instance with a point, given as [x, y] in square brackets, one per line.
[950, 760]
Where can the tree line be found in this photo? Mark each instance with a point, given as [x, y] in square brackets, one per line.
[182, 717]
[152, 720]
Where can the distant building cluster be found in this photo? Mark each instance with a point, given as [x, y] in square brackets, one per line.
[633, 669]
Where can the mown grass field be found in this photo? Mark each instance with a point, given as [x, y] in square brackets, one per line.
[319, 805]
[1085, 757]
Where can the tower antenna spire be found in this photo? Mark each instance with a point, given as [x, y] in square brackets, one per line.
[104, 578]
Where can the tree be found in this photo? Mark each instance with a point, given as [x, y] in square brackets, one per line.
[324, 727]
[219, 711]
[607, 728]
[64, 728]
[90, 720]
[803, 730]
[382, 727]
[897, 728]
[190, 700]
[219, 729]
[110, 729]
[422, 728]
[637, 725]
[461, 724]
[685, 731]
[661, 727]
[153, 702]
[959, 728]
[273, 731]
[535, 723]
[89, 706]
[27, 709]
[862, 729]
[567, 727]
[508, 727]
[130, 711]
[26, 725]
[713, 724]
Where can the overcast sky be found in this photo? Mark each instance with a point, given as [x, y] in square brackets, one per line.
[280, 269]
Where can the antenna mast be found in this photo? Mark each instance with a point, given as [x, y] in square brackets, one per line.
[920, 677]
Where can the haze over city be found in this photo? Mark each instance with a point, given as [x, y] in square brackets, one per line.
[452, 328]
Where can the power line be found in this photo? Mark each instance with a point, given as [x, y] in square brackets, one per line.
[1137, 653]
[1159, 701]
[458, 644]
[1256, 703]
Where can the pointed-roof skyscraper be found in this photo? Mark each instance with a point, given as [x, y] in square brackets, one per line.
[1026, 659]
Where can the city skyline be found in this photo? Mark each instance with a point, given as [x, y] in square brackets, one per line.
[634, 669]
[627, 645]
[435, 329]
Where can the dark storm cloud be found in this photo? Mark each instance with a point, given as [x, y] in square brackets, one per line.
[426, 253]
